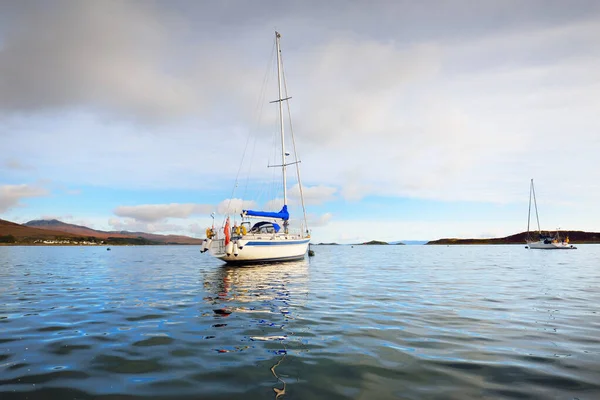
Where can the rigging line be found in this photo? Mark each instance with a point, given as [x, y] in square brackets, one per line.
[294, 145]
[237, 175]
[274, 183]
[273, 192]
[269, 183]
[259, 107]
[536, 210]
[249, 169]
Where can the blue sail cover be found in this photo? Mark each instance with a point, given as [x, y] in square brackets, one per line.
[283, 214]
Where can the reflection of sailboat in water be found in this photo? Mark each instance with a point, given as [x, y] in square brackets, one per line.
[260, 285]
[264, 299]
[545, 241]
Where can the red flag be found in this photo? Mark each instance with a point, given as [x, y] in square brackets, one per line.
[227, 232]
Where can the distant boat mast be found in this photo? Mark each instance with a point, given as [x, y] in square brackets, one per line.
[532, 192]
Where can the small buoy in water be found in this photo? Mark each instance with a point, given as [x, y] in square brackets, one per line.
[311, 253]
[526, 247]
[108, 249]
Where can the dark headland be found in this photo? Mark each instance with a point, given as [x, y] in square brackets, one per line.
[575, 237]
[378, 242]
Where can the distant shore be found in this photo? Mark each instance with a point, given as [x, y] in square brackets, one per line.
[575, 237]
[57, 233]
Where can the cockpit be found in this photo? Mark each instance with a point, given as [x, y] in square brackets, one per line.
[265, 227]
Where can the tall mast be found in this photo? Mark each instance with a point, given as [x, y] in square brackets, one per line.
[280, 101]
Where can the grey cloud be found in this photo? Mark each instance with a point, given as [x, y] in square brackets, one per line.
[437, 99]
[105, 55]
[16, 165]
[149, 60]
[405, 20]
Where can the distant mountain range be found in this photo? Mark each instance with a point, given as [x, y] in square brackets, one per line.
[40, 231]
[519, 238]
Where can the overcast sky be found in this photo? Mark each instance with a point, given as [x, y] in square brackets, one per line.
[413, 120]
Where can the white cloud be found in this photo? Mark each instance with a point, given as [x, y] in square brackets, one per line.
[150, 213]
[318, 221]
[359, 231]
[12, 195]
[133, 225]
[466, 136]
[313, 195]
[154, 214]
[197, 229]
[273, 205]
[234, 206]
[366, 77]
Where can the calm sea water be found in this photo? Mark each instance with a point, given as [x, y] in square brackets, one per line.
[362, 322]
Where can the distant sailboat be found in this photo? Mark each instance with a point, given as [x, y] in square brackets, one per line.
[270, 239]
[544, 241]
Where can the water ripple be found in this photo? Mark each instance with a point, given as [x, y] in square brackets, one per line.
[409, 322]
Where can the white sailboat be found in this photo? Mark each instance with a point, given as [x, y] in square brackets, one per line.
[270, 239]
[544, 241]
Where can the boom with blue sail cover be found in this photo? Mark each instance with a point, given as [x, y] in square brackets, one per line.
[283, 214]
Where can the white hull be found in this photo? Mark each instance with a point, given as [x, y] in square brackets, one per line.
[254, 250]
[540, 245]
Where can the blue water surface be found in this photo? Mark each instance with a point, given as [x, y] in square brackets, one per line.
[361, 322]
